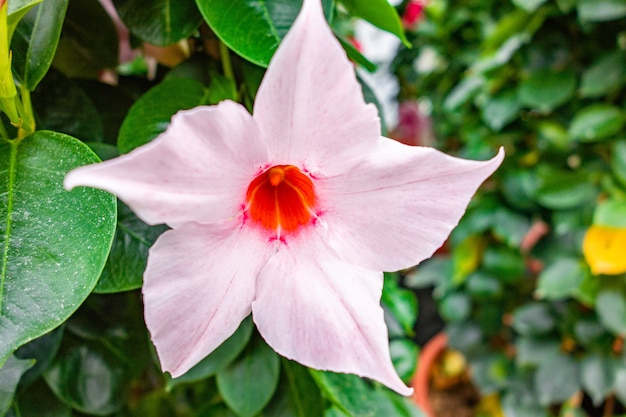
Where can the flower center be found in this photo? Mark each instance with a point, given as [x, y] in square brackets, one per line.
[281, 198]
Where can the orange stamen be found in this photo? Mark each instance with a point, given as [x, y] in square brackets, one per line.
[281, 198]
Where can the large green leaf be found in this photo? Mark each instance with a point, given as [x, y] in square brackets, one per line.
[159, 22]
[380, 13]
[611, 309]
[54, 242]
[151, 114]
[597, 121]
[17, 10]
[546, 90]
[560, 279]
[266, 23]
[557, 380]
[35, 41]
[10, 375]
[605, 75]
[248, 384]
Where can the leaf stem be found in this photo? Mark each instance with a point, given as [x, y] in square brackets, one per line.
[227, 65]
[25, 109]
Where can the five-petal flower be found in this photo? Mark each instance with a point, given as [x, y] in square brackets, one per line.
[289, 214]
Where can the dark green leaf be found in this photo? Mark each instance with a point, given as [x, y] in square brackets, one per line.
[159, 22]
[562, 190]
[484, 286]
[90, 379]
[557, 380]
[10, 374]
[39, 401]
[357, 56]
[42, 350]
[83, 52]
[401, 303]
[249, 383]
[597, 121]
[532, 351]
[266, 23]
[62, 106]
[600, 10]
[55, 242]
[604, 76]
[151, 114]
[129, 252]
[455, 307]
[618, 160]
[546, 90]
[17, 10]
[611, 309]
[220, 358]
[349, 393]
[560, 279]
[380, 13]
[297, 394]
[35, 41]
[507, 264]
[222, 88]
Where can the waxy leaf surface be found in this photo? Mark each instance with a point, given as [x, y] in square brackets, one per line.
[54, 243]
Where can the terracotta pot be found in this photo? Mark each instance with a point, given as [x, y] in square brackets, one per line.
[420, 383]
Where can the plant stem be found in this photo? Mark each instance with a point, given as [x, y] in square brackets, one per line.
[227, 65]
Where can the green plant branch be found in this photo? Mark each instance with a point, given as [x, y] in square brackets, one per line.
[227, 65]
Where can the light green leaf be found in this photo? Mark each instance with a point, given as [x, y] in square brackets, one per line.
[529, 5]
[604, 76]
[55, 242]
[151, 114]
[611, 309]
[35, 41]
[601, 10]
[249, 383]
[560, 279]
[533, 319]
[611, 212]
[597, 121]
[17, 10]
[500, 110]
[556, 380]
[10, 374]
[380, 13]
[597, 375]
[159, 22]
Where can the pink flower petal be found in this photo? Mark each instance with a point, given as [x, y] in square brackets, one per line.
[324, 313]
[198, 170]
[310, 106]
[399, 205]
[198, 287]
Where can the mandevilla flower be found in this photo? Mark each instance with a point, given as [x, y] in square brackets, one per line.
[289, 214]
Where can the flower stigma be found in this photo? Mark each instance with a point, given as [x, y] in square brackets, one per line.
[281, 198]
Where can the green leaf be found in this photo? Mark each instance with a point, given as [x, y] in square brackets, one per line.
[404, 357]
[611, 212]
[266, 23]
[62, 106]
[10, 374]
[601, 10]
[349, 393]
[507, 264]
[533, 319]
[455, 307]
[90, 379]
[297, 394]
[42, 350]
[529, 5]
[37, 400]
[545, 90]
[618, 160]
[151, 114]
[159, 22]
[532, 351]
[597, 375]
[501, 110]
[380, 13]
[35, 41]
[597, 121]
[220, 358]
[55, 242]
[357, 56]
[560, 279]
[129, 252]
[606, 74]
[556, 380]
[611, 309]
[17, 10]
[401, 303]
[81, 53]
[248, 384]
[562, 190]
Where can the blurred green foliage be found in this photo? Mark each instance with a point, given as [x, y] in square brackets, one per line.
[537, 319]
